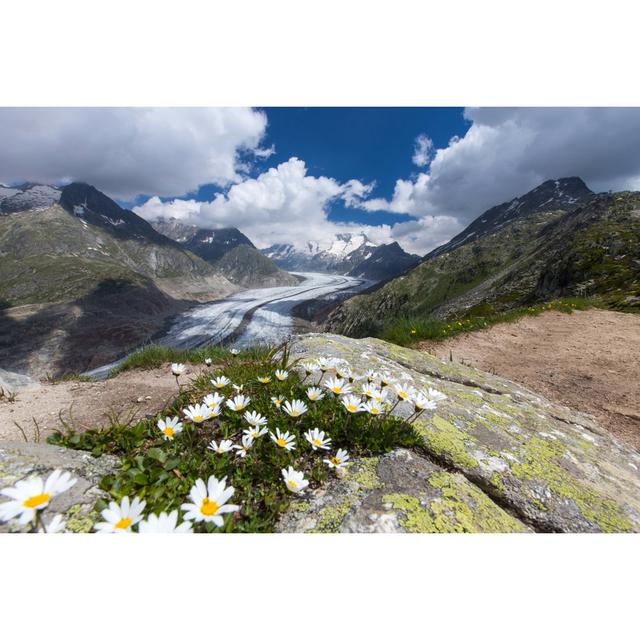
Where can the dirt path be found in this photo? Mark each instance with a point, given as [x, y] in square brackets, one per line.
[589, 360]
[131, 395]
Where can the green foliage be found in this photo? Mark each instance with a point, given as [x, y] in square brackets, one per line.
[155, 355]
[162, 472]
[407, 330]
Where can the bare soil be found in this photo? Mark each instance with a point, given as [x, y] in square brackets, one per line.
[588, 360]
[129, 397]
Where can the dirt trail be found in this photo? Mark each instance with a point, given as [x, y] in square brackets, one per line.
[131, 395]
[588, 360]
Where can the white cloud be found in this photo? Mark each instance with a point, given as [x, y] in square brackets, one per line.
[283, 204]
[508, 151]
[422, 150]
[126, 151]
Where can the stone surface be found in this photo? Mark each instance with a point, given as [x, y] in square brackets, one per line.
[400, 492]
[553, 468]
[23, 459]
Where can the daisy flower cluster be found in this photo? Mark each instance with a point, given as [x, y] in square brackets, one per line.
[233, 446]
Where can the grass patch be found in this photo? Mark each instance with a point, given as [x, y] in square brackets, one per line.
[155, 355]
[69, 377]
[410, 329]
[162, 472]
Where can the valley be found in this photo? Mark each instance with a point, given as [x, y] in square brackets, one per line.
[252, 316]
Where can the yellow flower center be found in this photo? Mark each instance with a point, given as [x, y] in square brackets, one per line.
[35, 501]
[373, 410]
[281, 441]
[402, 394]
[316, 442]
[209, 507]
[336, 389]
[295, 413]
[198, 418]
[335, 461]
[168, 431]
[351, 408]
[123, 523]
[292, 484]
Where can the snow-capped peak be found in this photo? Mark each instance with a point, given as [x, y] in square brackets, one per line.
[347, 243]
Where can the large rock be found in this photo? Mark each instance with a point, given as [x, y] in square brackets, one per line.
[23, 459]
[492, 442]
[399, 492]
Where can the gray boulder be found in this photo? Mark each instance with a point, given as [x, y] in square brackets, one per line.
[20, 460]
[549, 467]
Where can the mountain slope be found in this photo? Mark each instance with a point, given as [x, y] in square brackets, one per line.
[230, 251]
[386, 261]
[83, 269]
[537, 255]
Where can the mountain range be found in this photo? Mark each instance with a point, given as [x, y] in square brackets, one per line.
[230, 252]
[560, 239]
[352, 254]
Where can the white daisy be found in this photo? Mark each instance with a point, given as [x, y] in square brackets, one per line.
[255, 432]
[317, 439]
[324, 364]
[404, 392]
[352, 404]
[238, 403]
[213, 400]
[338, 386]
[422, 402]
[295, 408]
[119, 518]
[370, 390]
[208, 502]
[277, 401]
[224, 447]
[338, 461]
[178, 369]
[237, 387]
[373, 407]
[264, 379]
[234, 352]
[386, 379]
[33, 494]
[294, 480]
[243, 449]
[197, 413]
[284, 440]
[220, 382]
[435, 395]
[255, 419]
[281, 374]
[347, 374]
[170, 427]
[208, 361]
[371, 375]
[55, 525]
[380, 395]
[310, 368]
[315, 393]
[164, 523]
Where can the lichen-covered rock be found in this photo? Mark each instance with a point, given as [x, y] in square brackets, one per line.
[552, 467]
[401, 491]
[20, 460]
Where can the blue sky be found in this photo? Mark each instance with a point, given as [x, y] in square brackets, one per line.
[372, 144]
[417, 176]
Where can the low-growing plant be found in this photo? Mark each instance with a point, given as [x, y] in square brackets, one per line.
[155, 355]
[407, 330]
[162, 470]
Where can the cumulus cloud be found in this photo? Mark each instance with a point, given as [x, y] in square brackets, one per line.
[127, 151]
[282, 204]
[508, 151]
[422, 150]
